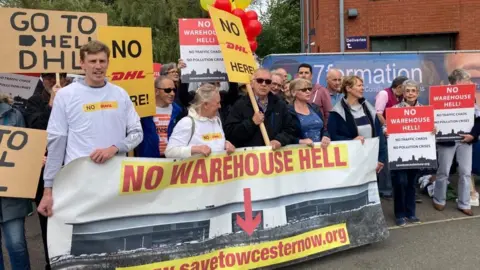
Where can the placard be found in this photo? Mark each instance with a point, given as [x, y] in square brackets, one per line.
[43, 40]
[18, 87]
[237, 55]
[411, 142]
[254, 208]
[454, 110]
[21, 160]
[131, 64]
[200, 51]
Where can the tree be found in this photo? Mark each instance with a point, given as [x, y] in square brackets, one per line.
[160, 15]
[281, 28]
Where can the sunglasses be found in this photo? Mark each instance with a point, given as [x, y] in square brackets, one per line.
[260, 81]
[305, 89]
[167, 90]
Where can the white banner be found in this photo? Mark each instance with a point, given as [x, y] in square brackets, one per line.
[184, 209]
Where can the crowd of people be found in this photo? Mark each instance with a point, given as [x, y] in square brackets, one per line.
[214, 117]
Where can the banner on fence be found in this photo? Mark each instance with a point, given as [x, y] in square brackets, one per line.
[411, 142]
[200, 51]
[268, 207]
[378, 70]
[45, 40]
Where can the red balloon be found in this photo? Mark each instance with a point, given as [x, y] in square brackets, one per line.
[253, 45]
[251, 15]
[223, 5]
[254, 28]
[241, 14]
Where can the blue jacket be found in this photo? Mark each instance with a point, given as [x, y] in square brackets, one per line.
[342, 127]
[316, 109]
[149, 146]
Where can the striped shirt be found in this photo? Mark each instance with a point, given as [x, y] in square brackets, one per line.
[361, 121]
[162, 120]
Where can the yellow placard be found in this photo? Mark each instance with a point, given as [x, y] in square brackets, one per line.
[35, 41]
[237, 55]
[261, 255]
[131, 65]
[21, 160]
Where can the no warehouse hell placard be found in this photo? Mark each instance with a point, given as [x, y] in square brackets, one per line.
[39, 40]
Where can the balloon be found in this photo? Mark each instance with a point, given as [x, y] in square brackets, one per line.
[252, 15]
[241, 4]
[223, 5]
[241, 14]
[254, 28]
[206, 3]
[253, 45]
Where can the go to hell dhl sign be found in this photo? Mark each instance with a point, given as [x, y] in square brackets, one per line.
[237, 56]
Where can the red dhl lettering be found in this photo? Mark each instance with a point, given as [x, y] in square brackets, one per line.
[129, 75]
[236, 47]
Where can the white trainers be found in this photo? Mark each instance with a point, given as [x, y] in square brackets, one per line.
[474, 201]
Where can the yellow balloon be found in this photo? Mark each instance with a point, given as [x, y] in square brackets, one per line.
[206, 3]
[241, 4]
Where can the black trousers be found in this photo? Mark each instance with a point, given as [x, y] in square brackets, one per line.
[43, 221]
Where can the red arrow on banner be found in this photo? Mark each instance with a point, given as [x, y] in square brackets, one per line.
[248, 224]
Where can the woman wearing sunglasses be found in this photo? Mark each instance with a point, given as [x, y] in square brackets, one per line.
[354, 118]
[309, 119]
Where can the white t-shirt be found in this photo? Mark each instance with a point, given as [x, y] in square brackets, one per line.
[91, 118]
[207, 132]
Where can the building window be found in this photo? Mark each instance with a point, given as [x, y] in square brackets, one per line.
[437, 42]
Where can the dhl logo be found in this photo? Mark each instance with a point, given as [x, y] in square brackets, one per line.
[99, 106]
[237, 47]
[212, 136]
[129, 75]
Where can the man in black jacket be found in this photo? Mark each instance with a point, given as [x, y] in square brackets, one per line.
[37, 113]
[242, 124]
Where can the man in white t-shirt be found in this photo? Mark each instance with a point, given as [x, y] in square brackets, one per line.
[90, 117]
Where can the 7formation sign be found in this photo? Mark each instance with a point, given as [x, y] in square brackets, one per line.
[37, 41]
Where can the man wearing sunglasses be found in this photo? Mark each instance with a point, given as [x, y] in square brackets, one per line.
[242, 124]
[158, 128]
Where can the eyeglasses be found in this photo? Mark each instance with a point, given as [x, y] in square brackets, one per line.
[260, 81]
[305, 89]
[173, 71]
[277, 85]
[167, 90]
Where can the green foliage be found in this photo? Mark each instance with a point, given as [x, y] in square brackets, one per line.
[281, 23]
[281, 28]
[160, 15]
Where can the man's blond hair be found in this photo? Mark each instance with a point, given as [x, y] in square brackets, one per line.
[94, 47]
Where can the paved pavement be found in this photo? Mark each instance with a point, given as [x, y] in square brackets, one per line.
[445, 240]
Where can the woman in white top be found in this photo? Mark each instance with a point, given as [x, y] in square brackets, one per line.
[201, 132]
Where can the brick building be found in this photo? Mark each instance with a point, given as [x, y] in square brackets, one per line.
[392, 25]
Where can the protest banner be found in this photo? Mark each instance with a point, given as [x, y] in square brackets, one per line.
[18, 87]
[44, 40]
[22, 151]
[254, 208]
[157, 67]
[237, 55]
[454, 110]
[411, 142]
[131, 65]
[200, 51]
